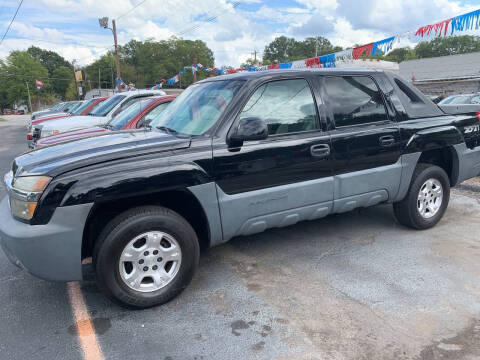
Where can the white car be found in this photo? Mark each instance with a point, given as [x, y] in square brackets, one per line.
[100, 116]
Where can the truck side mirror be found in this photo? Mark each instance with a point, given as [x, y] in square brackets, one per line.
[251, 128]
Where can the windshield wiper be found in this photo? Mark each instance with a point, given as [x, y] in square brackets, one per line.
[108, 126]
[167, 130]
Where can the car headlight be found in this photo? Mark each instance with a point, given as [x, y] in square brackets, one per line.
[45, 133]
[24, 192]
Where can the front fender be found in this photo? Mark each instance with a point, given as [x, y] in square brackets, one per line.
[140, 180]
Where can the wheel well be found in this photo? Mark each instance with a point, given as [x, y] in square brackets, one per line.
[441, 157]
[181, 201]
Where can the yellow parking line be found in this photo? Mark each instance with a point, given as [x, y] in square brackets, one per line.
[85, 330]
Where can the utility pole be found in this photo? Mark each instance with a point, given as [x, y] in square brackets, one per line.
[29, 98]
[114, 30]
[99, 83]
[254, 53]
[195, 69]
[111, 71]
[104, 23]
[75, 78]
[316, 46]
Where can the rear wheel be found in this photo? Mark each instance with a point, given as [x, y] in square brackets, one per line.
[427, 198]
[145, 257]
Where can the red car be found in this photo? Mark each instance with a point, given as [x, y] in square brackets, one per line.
[136, 116]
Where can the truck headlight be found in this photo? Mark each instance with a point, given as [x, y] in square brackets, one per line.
[25, 191]
[31, 183]
[46, 133]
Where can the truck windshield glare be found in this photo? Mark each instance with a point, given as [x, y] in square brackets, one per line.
[198, 108]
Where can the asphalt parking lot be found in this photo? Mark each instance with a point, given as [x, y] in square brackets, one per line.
[350, 286]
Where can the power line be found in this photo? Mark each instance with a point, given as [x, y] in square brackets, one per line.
[14, 16]
[129, 11]
[210, 19]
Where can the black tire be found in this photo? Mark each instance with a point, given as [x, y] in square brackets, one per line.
[120, 231]
[406, 211]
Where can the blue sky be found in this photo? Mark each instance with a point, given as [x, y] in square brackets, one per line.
[71, 28]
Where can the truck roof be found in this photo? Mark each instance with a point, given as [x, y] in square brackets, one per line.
[267, 73]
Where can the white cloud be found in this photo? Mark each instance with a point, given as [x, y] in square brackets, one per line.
[233, 35]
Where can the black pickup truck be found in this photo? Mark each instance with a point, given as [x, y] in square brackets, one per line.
[232, 155]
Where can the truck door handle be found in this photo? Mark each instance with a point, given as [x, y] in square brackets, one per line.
[387, 141]
[322, 150]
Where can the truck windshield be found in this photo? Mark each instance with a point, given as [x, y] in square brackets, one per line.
[107, 106]
[198, 108]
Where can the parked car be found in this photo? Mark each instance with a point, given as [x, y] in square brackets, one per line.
[461, 99]
[100, 116]
[53, 108]
[136, 116]
[232, 155]
[85, 108]
[64, 107]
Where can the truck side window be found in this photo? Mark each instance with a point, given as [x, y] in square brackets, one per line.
[354, 100]
[287, 106]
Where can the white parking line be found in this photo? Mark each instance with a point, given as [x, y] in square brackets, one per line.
[85, 330]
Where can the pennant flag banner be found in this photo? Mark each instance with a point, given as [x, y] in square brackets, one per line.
[38, 84]
[345, 58]
[383, 46]
[468, 21]
[328, 61]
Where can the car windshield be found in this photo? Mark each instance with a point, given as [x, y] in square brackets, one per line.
[58, 106]
[79, 109]
[461, 100]
[107, 106]
[198, 108]
[129, 113]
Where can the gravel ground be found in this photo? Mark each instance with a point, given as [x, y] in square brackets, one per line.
[350, 286]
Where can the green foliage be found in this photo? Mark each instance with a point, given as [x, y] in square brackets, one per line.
[20, 67]
[448, 46]
[50, 59]
[107, 69]
[147, 62]
[61, 78]
[284, 49]
[71, 92]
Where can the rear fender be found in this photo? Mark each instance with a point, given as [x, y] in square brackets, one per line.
[434, 138]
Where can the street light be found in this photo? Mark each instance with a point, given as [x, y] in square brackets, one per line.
[103, 22]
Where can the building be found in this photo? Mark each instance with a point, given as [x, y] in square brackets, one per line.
[454, 74]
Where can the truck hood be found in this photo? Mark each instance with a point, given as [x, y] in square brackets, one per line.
[70, 136]
[57, 159]
[74, 122]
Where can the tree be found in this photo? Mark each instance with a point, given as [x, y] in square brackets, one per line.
[50, 59]
[20, 67]
[280, 50]
[452, 45]
[61, 78]
[106, 65]
[284, 49]
[146, 63]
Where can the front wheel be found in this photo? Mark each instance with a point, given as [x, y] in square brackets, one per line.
[145, 257]
[426, 199]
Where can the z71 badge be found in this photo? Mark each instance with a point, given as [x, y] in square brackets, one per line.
[471, 129]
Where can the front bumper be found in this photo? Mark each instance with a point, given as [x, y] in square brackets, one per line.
[52, 251]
